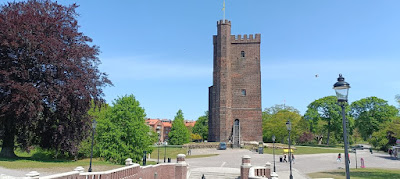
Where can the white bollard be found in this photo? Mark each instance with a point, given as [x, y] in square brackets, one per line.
[33, 174]
[128, 162]
[79, 169]
[274, 175]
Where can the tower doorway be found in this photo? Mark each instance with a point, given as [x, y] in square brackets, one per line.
[236, 134]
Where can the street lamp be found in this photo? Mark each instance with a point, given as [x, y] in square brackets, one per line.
[165, 149]
[158, 146]
[342, 90]
[91, 154]
[273, 150]
[289, 128]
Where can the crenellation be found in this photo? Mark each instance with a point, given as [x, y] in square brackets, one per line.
[224, 22]
[246, 38]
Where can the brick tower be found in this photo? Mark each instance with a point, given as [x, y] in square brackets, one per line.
[235, 97]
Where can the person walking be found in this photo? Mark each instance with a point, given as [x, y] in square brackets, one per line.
[284, 158]
[349, 158]
[390, 152]
[293, 158]
[339, 158]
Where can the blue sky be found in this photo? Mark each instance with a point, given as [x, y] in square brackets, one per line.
[161, 51]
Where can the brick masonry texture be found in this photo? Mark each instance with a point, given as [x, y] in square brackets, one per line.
[233, 74]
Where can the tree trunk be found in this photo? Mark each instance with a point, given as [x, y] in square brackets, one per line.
[7, 149]
[329, 132]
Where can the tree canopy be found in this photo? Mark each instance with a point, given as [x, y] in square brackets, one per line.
[48, 76]
[123, 133]
[325, 117]
[201, 126]
[369, 113]
[179, 134]
[274, 123]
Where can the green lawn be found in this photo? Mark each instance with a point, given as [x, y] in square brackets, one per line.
[362, 173]
[306, 150]
[26, 162]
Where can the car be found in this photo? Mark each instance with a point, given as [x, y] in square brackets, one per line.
[222, 146]
[358, 147]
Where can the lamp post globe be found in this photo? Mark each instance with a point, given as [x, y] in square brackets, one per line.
[273, 149]
[94, 124]
[289, 125]
[341, 88]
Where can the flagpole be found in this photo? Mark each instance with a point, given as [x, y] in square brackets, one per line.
[224, 11]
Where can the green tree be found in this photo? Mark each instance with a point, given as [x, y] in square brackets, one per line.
[201, 126]
[179, 134]
[268, 112]
[99, 113]
[369, 113]
[123, 133]
[387, 135]
[274, 123]
[324, 115]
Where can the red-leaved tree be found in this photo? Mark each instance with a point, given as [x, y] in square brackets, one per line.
[48, 77]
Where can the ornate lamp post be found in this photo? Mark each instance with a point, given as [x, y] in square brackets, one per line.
[91, 154]
[342, 90]
[158, 146]
[165, 150]
[289, 128]
[273, 150]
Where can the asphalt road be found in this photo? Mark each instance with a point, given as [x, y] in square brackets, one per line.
[231, 158]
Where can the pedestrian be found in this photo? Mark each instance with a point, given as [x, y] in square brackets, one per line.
[284, 157]
[339, 158]
[349, 158]
[293, 158]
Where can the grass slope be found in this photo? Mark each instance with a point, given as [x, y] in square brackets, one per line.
[362, 173]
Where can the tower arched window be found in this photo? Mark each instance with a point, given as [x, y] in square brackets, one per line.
[242, 54]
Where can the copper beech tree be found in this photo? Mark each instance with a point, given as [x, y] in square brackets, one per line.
[48, 77]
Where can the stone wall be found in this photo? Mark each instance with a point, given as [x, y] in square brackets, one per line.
[131, 171]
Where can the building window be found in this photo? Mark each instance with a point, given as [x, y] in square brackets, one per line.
[243, 92]
[242, 54]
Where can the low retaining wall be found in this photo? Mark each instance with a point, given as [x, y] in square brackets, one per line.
[131, 171]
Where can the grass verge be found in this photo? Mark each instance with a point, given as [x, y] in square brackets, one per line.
[362, 173]
[306, 150]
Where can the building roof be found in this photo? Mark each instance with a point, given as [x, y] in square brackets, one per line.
[167, 124]
[152, 121]
[190, 123]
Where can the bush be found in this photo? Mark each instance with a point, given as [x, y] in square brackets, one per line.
[306, 138]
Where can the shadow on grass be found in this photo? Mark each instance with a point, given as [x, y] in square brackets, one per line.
[35, 159]
[38, 157]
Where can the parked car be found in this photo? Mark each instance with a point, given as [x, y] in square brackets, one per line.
[358, 147]
[222, 146]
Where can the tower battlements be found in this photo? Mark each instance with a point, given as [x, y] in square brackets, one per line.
[228, 22]
[235, 39]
